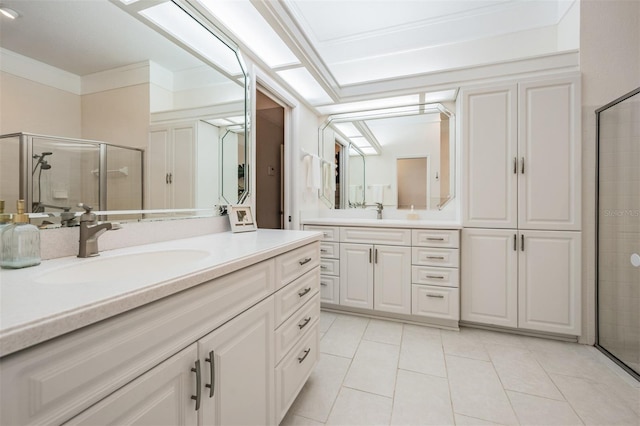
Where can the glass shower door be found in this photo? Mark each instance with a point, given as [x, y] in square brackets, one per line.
[618, 249]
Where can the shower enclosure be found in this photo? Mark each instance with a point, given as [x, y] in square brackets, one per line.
[618, 231]
[54, 174]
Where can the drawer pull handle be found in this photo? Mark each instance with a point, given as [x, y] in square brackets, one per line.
[323, 267]
[212, 374]
[197, 396]
[323, 250]
[305, 261]
[436, 257]
[304, 323]
[305, 291]
[437, 296]
[323, 284]
[302, 358]
[437, 277]
[435, 239]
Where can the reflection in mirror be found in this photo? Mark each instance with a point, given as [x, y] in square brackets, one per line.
[150, 76]
[232, 151]
[381, 138]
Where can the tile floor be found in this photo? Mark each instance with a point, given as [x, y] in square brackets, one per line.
[374, 372]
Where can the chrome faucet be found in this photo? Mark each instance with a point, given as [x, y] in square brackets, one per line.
[379, 208]
[90, 230]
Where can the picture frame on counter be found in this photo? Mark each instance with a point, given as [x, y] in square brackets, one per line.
[241, 218]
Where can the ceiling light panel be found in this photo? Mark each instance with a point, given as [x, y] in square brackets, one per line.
[348, 129]
[178, 23]
[307, 87]
[241, 18]
[367, 105]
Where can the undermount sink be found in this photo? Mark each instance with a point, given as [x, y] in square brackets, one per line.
[157, 264]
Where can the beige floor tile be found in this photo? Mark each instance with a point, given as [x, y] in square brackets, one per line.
[374, 368]
[533, 410]
[295, 420]
[319, 393]
[384, 332]
[421, 351]
[326, 319]
[476, 390]
[594, 402]
[421, 400]
[343, 337]
[471, 421]
[354, 407]
[519, 371]
[463, 343]
[491, 337]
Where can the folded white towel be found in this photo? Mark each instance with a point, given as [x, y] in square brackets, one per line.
[314, 176]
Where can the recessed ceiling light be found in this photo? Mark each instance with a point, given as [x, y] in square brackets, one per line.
[8, 12]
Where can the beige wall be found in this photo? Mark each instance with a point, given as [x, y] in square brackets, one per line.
[269, 137]
[610, 67]
[27, 106]
[119, 116]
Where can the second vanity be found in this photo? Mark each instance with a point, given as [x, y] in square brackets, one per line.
[404, 269]
[229, 337]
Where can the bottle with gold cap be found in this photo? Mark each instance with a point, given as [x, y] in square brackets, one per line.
[20, 242]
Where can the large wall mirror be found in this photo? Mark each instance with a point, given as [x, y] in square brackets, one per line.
[400, 157]
[147, 77]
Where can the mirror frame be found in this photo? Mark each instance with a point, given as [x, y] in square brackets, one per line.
[397, 111]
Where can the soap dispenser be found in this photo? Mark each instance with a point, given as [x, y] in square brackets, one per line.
[20, 242]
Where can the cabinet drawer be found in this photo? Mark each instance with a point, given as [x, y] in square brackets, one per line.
[290, 298]
[388, 236]
[294, 370]
[55, 380]
[435, 257]
[435, 302]
[290, 332]
[329, 233]
[435, 238]
[330, 267]
[293, 264]
[330, 289]
[447, 277]
[329, 250]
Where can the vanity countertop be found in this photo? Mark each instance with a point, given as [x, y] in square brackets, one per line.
[32, 311]
[383, 223]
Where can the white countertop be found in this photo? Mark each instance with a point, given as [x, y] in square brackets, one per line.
[32, 312]
[382, 223]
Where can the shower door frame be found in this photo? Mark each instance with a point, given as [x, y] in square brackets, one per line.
[610, 355]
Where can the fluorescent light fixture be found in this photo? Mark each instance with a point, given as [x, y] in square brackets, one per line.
[220, 122]
[348, 129]
[369, 150]
[360, 141]
[441, 96]
[303, 82]
[178, 23]
[128, 1]
[8, 12]
[366, 105]
[242, 18]
[236, 120]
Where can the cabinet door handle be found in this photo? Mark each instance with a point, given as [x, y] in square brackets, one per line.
[437, 277]
[434, 239]
[370, 254]
[436, 257]
[436, 296]
[522, 242]
[304, 323]
[305, 261]
[302, 358]
[212, 374]
[305, 291]
[522, 167]
[170, 177]
[515, 165]
[166, 178]
[197, 396]
[376, 256]
[515, 242]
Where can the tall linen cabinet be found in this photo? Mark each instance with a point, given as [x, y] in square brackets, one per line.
[521, 205]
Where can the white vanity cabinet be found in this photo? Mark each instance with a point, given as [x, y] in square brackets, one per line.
[329, 262]
[522, 279]
[214, 343]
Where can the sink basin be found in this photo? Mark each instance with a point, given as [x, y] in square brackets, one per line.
[147, 265]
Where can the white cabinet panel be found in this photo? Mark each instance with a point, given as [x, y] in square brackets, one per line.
[392, 279]
[387, 236]
[489, 138]
[549, 186]
[436, 302]
[549, 281]
[356, 275]
[330, 289]
[490, 277]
